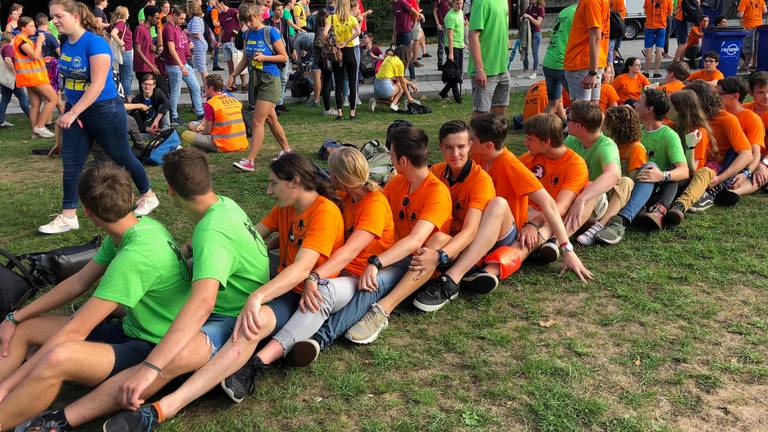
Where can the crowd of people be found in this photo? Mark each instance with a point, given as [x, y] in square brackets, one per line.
[603, 153]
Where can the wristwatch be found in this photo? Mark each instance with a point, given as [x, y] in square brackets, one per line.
[747, 173]
[375, 261]
[443, 260]
[667, 176]
[566, 247]
[10, 317]
[592, 73]
[765, 161]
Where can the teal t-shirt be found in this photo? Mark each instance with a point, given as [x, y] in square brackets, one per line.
[491, 18]
[558, 40]
[454, 20]
[226, 247]
[663, 147]
[603, 152]
[147, 274]
[287, 15]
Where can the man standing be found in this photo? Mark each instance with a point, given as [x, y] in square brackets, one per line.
[404, 15]
[657, 13]
[176, 64]
[554, 75]
[438, 12]
[488, 46]
[751, 13]
[587, 50]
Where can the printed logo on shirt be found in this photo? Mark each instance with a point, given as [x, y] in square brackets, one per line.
[538, 171]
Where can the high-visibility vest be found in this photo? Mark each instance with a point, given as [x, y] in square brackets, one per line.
[30, 72]
[228, 130]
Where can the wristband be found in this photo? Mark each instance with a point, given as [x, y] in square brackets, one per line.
[151, 366]
[313, 276]
[533, 225]
[10, 317]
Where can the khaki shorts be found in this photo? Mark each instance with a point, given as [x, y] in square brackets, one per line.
[495, 93]
[264, 87]
[622, 191]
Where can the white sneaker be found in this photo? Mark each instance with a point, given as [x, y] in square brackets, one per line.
[43, 132]
[346, 103]
[525, 74]
[145, 205]
[6, 124]
[372, 104]
[394, 107]
[532, 75]
[60, 224]
[588, 237]
[331, 112]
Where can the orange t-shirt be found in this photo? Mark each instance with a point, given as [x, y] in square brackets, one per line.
[589, 14]
[513, 182]
[215, 20]
[535, 100]
[608, 96]
[672, 87]
[567, 98]
[753, 127]
[753, 12]
[705, 75]
[630, 88]
[678, 14]
[620, 7]
[371, 214]
[656, 13]
[430, 202]
[694, 36]
[702, 149]
[764, 116]
[728, 134]
[568, 172]
[319, 228]
[473, 188]
[633, 156]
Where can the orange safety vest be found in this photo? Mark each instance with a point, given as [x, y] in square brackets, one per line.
[228, 130]
[30, 72]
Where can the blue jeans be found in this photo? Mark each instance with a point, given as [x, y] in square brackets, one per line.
[284, 75]
[126, 73]
[215, 57]
[535, 43]
[105, 122]
[641, 193]
[174, 80]
[21, 95]
[405, 39]
[356, 309]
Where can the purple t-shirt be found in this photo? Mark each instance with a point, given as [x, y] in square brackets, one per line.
[403, 22]
[143, 42]
[536, 12]
[7, 51]
[442, 8]
[171, 33]
[229, 24]
[125, 32]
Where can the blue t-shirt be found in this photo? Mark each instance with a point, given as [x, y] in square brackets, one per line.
[255, 44]
[75, 67]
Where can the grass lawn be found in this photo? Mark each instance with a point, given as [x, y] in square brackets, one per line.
[671, 335]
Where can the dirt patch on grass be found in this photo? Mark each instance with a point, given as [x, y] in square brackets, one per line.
[736, 407]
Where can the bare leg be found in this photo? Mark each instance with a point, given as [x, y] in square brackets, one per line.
[34, 106]
[51, 100]
[271, 352]
[397, 94]
[277, 130]
[659, 55]
[84, 362]
[318, 84]
[413, 280]
[555, 106]
[260, 115]
[34, 332]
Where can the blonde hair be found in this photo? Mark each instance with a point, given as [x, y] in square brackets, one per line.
[249, 10]
[350, 169]
[87, 20]
[6, 38]
[120, 13]
[194, 9]
[343, 10]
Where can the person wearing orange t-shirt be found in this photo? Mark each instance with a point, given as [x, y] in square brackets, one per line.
[677, 74]
[751, 13]
[758, 88]
[586, 53]
[421, 206]
[535, 100]
[657, 12]
[561, 171]
[693, 45]
[710, 74]
[608, 95]
[516, 184]
[630, 84]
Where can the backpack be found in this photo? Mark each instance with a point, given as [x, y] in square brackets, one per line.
[618, 27]
[380, 167]
[692, 12]
[162, 144]
[415, 108]
[451, 73]
[329, 146]
[301, 87]
[52, 267]
[16, 284]
[243, 36]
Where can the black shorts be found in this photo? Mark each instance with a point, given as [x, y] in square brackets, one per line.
[128, 351]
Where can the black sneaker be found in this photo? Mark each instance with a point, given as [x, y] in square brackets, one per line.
[304, 353]
[479, 281]
[548, 252]
[436, 294]
[144, 419]
[241, 383]
[727, 198]
[703, 204]
[217, 68]
[38, 424]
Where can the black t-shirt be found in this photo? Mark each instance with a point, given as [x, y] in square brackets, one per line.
[158, 103]
[99, 13]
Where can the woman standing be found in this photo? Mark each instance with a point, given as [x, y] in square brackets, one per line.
[94, 111]
[13, 18]
[534, 13]
[262, 53]
[6, 54]
[196, 29]
[122, 35]
[32, 74]
[346, 29]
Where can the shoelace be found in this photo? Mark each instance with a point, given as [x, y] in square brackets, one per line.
[148, 418]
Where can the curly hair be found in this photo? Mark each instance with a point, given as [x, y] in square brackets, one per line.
[622, 124]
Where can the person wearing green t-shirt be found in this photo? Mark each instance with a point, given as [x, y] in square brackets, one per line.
[138, 268]
[656, 183]
[554, 75]
[603, 163]
[488, 47]
[453, 29]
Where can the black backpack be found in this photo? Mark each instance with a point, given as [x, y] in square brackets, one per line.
[16, 284]
[451, 73]
[301, 87]
[618, 27]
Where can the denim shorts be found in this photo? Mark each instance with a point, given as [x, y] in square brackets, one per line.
[383, 88]
[655, 37]
[555, 82]
[129, 351]
[227, 51]
[507, 240]
[218, 329]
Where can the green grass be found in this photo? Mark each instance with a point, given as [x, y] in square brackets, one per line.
[670, 335]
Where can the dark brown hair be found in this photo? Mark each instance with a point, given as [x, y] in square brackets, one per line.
[186, 171]
[588, 114]
[292, 165]
[410, 142]
[490, 127]
[545, 126]
[106, 190]
[622, 124]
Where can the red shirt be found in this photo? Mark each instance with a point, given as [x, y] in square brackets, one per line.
[143, 41]
[229, 24]
[171, 33]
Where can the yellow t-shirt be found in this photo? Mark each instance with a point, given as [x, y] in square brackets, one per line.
[344, 29]
[299, 16]
[391, 67]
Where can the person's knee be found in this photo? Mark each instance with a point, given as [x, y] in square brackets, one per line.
[496, 207]
[58, 358]
[192, 357]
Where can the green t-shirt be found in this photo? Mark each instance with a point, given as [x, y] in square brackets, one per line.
[226, 247]
[287, 15]
[491, 18]
[603, 152]
[663, 147]
[454, 20]
[558, 40]
[147, 274]
[53, 29]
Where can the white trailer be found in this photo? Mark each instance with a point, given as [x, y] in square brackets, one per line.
[635, 19]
